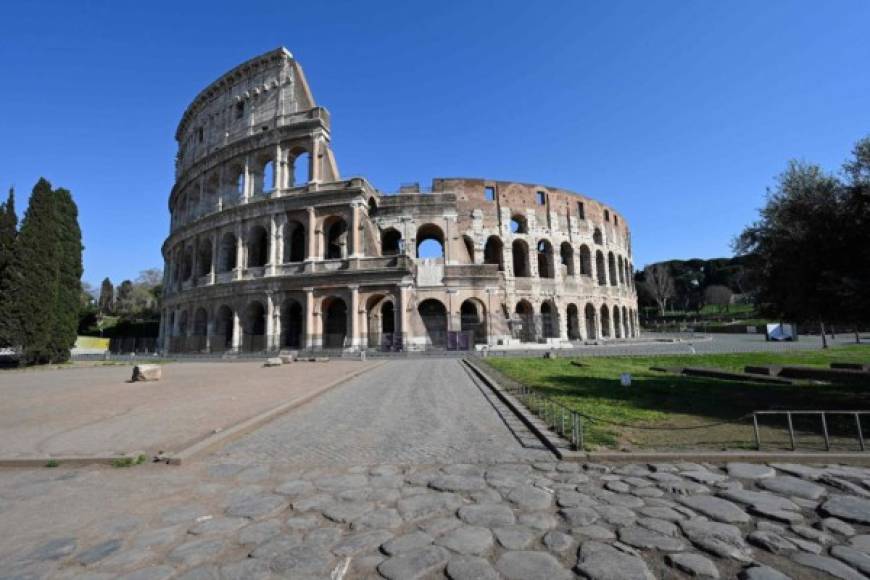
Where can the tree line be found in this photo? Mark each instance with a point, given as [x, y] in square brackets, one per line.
[40, 275]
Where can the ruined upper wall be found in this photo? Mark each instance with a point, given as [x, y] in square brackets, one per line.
[263, 93]
[558, 209]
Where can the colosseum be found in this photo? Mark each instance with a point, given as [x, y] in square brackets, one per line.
[270, 249]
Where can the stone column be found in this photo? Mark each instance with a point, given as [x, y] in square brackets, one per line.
[354, 317]
[209, 331]
[562, 318]
[310, 230]
[309, 318]
[194, 262]
[212, 274]
[270, 322]
[246, 182]
[355, 237]
[237, 331]
[404, 328]
[240, 250]
[278, 172]
[273, 243]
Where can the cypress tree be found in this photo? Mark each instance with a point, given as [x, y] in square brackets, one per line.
[8, 233]
[106, 302]
[69, 274]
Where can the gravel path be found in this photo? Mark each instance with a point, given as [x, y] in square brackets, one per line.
[407, 411]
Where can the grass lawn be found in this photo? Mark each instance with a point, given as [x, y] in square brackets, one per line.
[672, 403]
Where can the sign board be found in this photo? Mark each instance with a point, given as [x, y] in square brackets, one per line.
[780, 332]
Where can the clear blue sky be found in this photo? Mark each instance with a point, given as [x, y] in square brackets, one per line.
[679, 114]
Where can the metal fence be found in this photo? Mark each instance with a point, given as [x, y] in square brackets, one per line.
[823, 422]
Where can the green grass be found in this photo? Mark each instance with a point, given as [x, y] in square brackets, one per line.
[129, 461]
[672, 403]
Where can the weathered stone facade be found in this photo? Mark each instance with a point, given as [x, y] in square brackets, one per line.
[269, 248]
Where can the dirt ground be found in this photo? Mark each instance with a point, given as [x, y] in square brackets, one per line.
[95, 411]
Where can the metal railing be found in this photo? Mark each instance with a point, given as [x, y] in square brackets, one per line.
[558, 418]
[824, 423]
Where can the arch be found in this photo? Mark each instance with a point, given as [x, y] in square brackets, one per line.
[258, 247]
[267, 177]
[597, 236]
[585, 261]
[430, 241]
[573, 322]
[200, 330]
[620, 266]
[520, 251]
[372, 206]
[187, 263]
[434, 316]
[300, 162]
[254, 327]
[203, 259]
[469, 247]
[605, 321]
[381, 321]
[566, 252]
[549, 320]
[294, 242]
[334, 238]
[292, 324]
[526, 315]
[388, 318]
[334, 314]
[611, 267]
[519, 224]
[236, 184]
[591, 326]
[391, 242]
[546, 267]
[493, 252]
[182, 324]
[222, 337]
[212, 190]
[227, 252]
[600, 268]
[617, 323]
[472, 315]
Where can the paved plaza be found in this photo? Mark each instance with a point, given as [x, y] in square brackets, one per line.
[411, 470]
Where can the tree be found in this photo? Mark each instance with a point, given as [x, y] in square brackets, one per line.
[660, 285]
[124, 298]
[44, 277]
[8, 234]
[718, 295]
[855, 289]
[106, 302]
[795, 246]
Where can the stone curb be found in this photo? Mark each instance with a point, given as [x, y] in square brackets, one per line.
[557, 445]
[243, 428]
[67, 461]
[553, 442]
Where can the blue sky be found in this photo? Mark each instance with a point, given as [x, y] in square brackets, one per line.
[679, 114]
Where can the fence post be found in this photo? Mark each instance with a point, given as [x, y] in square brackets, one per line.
[825, 432]
[574, 434]
[757, 435]
[790, 430]
[860, 433]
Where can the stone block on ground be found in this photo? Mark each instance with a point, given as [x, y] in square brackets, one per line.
[274, 361]
[144, 373]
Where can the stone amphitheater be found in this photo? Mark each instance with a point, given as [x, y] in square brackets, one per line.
[271, 249]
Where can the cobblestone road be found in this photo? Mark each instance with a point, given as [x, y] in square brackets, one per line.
[407, 411]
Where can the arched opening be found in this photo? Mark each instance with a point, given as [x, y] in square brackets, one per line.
[472, 316]
[430, 241]
[469, 248]
[434, 317]
[373, 207]
[254, 327]
[626, 323]
[520, 251]
[597, 236]
[187, 264]
[600, 268]
[227, 252]
[591, 327]
[611, 266]
[182, 323]
[549, 320]
[301, 163]
[546, 267]
[605, 321]
[203, 259]
[573, 322]
[617, 325]
[291, 324]
[258, 247]
[525, 331]
[388, 320]
[200, 330]
[212, 185]
[294, 242]
[268, 177]
[390, 242]
[566, 252]
[493, 252]
[519, 225]
[334, 238]
[236, 187]
[222, 339]
[381, 318]
[620, 266]
[334, 312]
[585, 261]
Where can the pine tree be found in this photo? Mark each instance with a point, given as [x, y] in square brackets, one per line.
[69, 273]
[8, 233]
[107, 297]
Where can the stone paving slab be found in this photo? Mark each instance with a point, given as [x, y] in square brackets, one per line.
[95, 411]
